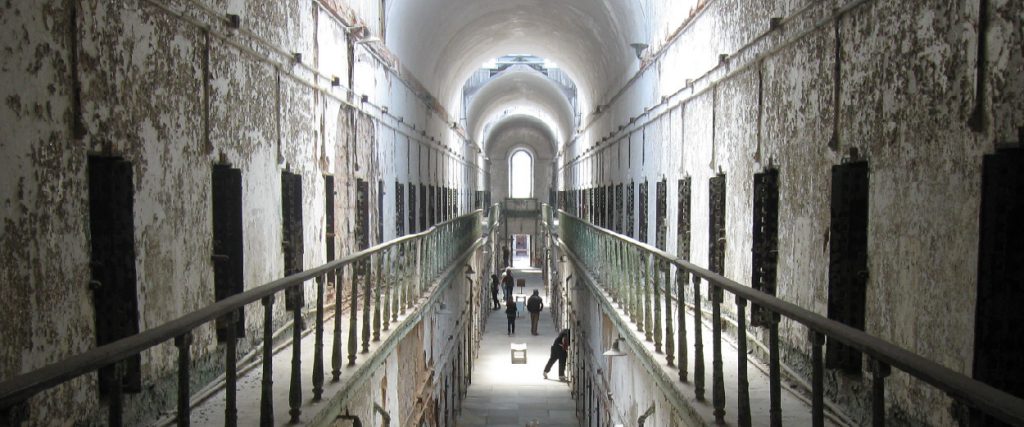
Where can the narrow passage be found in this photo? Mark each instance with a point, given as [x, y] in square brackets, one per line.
[503, 394]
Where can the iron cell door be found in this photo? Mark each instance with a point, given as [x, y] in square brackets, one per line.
[683, 219]
[998, 348]
[329, 209]
[115, 292]
[660, 214]
[848, 260]
[765, 253]
[399, 209]
[291, 234]
[716, 224]
[228, 254]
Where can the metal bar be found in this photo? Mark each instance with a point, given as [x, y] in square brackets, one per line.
[879, 371]
[774, 371]
[698, 343]
[743, 386]
[367, 296]
[318, 341]
[353, 321]
[682, 279]
[817, 380]
[231, 371]
[378, 288]
[339, 276]
[114, 395]
[295, 388]
[656, 302]
[267, 389]
[670, 344]
[648, 324]
[183, 343]
[717, 376]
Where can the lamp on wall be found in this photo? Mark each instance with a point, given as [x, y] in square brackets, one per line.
[615, 350]
[639, 48]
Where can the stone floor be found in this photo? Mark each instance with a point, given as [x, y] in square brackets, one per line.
[503, 394]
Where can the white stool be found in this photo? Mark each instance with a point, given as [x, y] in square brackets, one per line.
[518, 353]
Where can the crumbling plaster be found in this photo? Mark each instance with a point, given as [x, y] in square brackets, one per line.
[906, 91]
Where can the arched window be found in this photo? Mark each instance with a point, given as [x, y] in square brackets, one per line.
[520, 175]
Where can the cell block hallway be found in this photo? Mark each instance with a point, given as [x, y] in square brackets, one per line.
[301, 212]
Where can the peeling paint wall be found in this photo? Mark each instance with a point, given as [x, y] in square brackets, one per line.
[171, 88]
[891, 82]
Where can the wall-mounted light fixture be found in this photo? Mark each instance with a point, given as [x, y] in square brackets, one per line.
[297, 56]
[639, 48]
[336, 81]
[615, 350]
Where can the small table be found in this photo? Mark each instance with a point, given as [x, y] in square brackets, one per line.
[518, 351]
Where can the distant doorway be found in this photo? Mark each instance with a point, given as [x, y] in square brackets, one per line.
[520, 251]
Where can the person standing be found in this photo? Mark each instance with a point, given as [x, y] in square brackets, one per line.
[534, 305]
[494, 292]
[559, 351]
[511, 311]
[508, 283]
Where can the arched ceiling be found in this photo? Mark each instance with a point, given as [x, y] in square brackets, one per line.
[443, 41]
[515, 94]
[521, 130]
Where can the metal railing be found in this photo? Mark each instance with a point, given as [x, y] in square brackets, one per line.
[637, 277]
[387, 280]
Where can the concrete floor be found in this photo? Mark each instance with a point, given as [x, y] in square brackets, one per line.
[503, 394]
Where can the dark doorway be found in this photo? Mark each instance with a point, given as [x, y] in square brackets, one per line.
[227, 242]
[329, 209]
[683, 219]
[424, 207]
[292, 241]
[380, 212]
[412, 209]
[618, 208]
[998, 348]
[630, 211]
[765, 253]
[399, 209]
[115, 292]
[716, 224]
[848, 260]
[660, 214]
[642, 232]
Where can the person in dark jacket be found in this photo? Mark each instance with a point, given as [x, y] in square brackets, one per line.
[494, 291]
[559, 351]
[534, 305]
[511, 311]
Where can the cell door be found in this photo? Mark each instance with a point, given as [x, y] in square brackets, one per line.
[998, 348]
[291, 236]
[227, 241]
[114, 284]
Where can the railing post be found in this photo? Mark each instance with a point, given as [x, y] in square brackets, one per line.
[318, 341]
[879, 371]
[353, 319]
[267, 390]
[339, 276]
[656, 301]
[698, 344]
[367, 296]
[183, 343]
[670, 345]
[648, 324]
[717, 376]
[743, 385]
[682, 279]
[774, 371]
[114, 395]
[378, 288]
[817, 380]
[231, 370]
[295, 389]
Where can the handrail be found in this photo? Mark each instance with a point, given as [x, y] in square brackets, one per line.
[17, 390]
[975, 393]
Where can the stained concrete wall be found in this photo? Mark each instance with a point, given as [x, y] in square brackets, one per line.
[170, 88]
[895, 82]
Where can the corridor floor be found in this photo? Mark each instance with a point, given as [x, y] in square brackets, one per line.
[503, 394]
